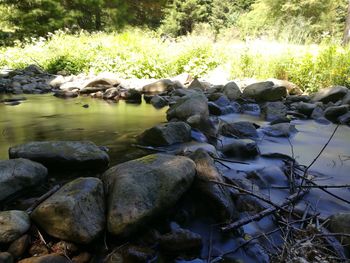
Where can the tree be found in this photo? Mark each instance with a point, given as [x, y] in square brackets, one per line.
[346, 36]
[181, 16]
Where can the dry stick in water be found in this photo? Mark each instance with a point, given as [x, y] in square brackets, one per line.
[42, 199]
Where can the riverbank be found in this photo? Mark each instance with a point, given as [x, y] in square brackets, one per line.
[224, 157]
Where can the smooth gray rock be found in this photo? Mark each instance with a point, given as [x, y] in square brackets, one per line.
[265, 91]
[181, 240]
[19, 174]
[241, 129]
[331, 94]
[218, 198]
[232, 91]
[74, 213]
[280, 130]
[69, 155]
[140, 190]
[306, 108]
[166, 134]
[334, 112]
[52, 258]
[13, 224]
[158, 102]
[344, 119]
[160, 86]
[187, 106]
[241, 148]
[273, 110]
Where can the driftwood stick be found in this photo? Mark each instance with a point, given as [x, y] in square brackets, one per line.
[314, 186]
[290, 200]
[250, 193]
[42, 199]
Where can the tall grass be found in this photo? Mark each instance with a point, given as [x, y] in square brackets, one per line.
[138, 53]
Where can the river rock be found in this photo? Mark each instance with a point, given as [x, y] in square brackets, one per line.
[69, 155]
[13, 224]
[133, 96]
[346, 99]
[273, 110]
[340, 223]
[19, 246]
[104, 80]
[196, 84]
[140, 190]
[138, 254]
[19, 174]
[241, 148]
[215, 196]
[292, 88]
[344, 119]
[6, 257]
[217, 110]
[334, 112]
[160, 86]
[74, 213]
[232, 91]
[52, 258]
[181, 240]
[111, 94]
[280, 130]
[306, 108]
[158, 102]
[265, 91]
[166, 134]
[241, 129]
[65, 94]
[187, 106]
[331, 94]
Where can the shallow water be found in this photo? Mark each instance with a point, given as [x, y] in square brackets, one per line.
[45, 117]
[115, 126]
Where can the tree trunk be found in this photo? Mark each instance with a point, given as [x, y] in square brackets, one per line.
[346, 37]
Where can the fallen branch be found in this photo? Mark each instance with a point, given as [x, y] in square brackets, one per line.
[42, 199]
[290, 200]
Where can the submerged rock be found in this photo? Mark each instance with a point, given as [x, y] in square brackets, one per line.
[265, 91]
[63, 155]
[280, 130]
[19, 174]
[241, 129]
[140, 190]
[331, 94]
[13, 224]
[273, 110]
[187, 106]
[214, 195]
[74, 213]
[181, 240]
[241, 148]
[166, 134]
[65, 94]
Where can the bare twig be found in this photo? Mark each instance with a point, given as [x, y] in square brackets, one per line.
[42, 199]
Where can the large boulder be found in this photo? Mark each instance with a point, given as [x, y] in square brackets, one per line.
[340, 223]
[232, 91]
[13, 224]
[74, 213]
[140, 190]
[331, 94]
[265, 91]
[214, 195]
[70, 155]
[19, 174]
[241, 129]
[187, 106]
[166, 134]
[161, 86]
[273, 110]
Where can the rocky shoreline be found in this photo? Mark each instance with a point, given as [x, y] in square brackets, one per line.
[137, 211]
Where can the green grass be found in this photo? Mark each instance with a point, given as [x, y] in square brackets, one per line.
[142, 54]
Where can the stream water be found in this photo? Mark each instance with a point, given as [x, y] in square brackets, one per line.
[115, 126]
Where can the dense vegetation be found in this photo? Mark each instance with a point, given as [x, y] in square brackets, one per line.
[175, 36]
